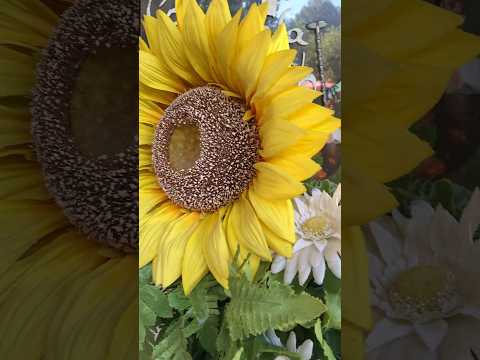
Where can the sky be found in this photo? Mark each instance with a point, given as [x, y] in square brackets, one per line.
[296, 6]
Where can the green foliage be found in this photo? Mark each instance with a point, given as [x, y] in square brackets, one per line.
[327, 350]
[153, 304]
[255, 308]
[173, 346]
[451, 196]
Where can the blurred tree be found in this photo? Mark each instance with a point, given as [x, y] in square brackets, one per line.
[324, 10]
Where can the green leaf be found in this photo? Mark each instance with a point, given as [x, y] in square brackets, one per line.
[178, 300]
[333, 315]
[174, 344]
[208, 334]
[327, 350]
[153, 304]
[255, 308]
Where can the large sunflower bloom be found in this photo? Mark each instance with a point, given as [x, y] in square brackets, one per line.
[62, 296]
[407, 50]
[226, 137]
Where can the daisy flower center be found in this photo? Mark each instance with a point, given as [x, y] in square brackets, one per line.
[203, 151]
[317, 228]
[423, 293]
[84, 119]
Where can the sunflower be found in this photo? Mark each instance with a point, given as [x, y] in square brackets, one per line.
[68, 271]
[226, 139]
[408, 59]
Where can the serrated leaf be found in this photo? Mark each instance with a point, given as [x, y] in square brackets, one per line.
[174, 345]
[327, 350]
[255, 308]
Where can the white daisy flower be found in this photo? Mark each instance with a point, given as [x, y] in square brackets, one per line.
[305, 350]
[424, 280]
[318, 229]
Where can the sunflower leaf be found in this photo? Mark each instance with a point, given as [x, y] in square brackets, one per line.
[255, 308]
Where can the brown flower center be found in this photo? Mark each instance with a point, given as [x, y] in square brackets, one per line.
[203, 151]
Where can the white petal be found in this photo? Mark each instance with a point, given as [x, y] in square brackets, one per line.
[300, 244]
[306, 350]
[384, 332]
[315, 257]
[291, 269]
[471, 213]
[334, 261]
[278, 264]
[320, 245]
[304, 267]
[432, 333]
[387, 243]
[272, 338]
[292, 342]
[319, 273]
[337, 195]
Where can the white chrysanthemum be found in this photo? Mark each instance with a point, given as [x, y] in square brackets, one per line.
[318, 230]
[305, 350]
[424, 280]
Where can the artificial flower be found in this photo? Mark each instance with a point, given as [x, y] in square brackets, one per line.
[68, 290]
[305, 350]
[318, 232]
[422, 279]
[398, 65]
[226, 139]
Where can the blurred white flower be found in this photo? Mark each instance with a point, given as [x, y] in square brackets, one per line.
[318, 230]
[305, 350]
[424, 277]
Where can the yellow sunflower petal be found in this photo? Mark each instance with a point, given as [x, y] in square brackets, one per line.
[277, 244]
[85, 323]
[32, 293]
[275, 66]
[155, 75]
[252, 24]
[145, 134]
[22, 180]
[218, 16]
[277, 215]
[250, 63]
[360, 189]
[16, 72]
[291, 78]
[172, 246]
[225, 45]
[159, 96]
[151, 230]
[298, 166]
[244, 226]
[149, 113]
[280, 39]
[276, 135]
[283, 105]
[29, 221]
[274, 184]
[215, 250]
[173, 50]
[194, 266]
[196, 41]
[145, 158]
